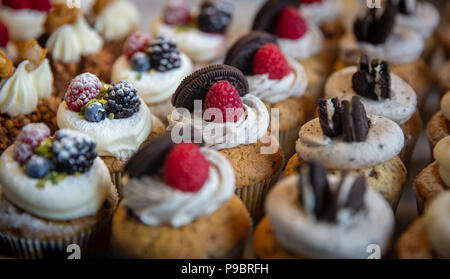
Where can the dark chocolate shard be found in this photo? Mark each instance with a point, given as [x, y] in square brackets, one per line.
[407, 7]
[355, 124]
[330, 117]
[372, 80]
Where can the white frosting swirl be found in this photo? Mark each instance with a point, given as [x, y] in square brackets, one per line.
[304, 47]
[442, 154]
[118, 138]
[424, 20]
[70, 42]
[445, 105]
[23, 24]
[156, 203]
[384, 141]
[153, 87]
[74, 197]
[321, 12]
[399, 108]
[305, 236]
[403, 45]
[437, 225]
[277, 90]
[248, 129]
[117, 20]
[20, 93]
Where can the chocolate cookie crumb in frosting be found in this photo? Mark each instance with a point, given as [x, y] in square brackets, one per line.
[372, 80]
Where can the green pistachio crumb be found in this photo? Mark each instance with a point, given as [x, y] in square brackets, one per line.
[45, 148]
[111, 116]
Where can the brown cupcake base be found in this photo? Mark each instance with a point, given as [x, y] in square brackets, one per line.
[413, 243]
[444, 78]
[411, 129]
[438, 128]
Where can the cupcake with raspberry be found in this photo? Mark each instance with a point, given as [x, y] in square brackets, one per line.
[55, 191]
[25, 93]
[439, 126]
[382, 93]
[297, 39]
[113, 115]
[215, 101]
[201, 35]
[176, 195]
[279, 82]
[6, 45]
[155, 67]
[345, 138]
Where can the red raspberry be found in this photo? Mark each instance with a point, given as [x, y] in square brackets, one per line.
[18, 4]
[136, 42]
[81, 90]
[270, 60]
[224, 96]
[176, 13]
[186, 168]
[310, 1]
[29, 138]
[41, 5]
[291, 24]
[4, 35]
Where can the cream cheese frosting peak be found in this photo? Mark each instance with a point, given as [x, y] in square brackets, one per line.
[117, 20]
[23, 24]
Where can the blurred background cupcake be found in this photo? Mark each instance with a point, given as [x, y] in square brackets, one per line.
[6, 45]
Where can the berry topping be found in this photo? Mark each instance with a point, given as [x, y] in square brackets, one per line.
[82, 89]
[28, 140]
[136, 42]
[270, 60]
[310, 1]
[215, 16]
[186, 168]
[73, 152]
[41, 5]
[176, 13]
[140, 62]
[94, 112]
[38, 167]
[224, 96]
[164, 55]
[122, 99]
[4, 35]
[18, 4]
[291, 24]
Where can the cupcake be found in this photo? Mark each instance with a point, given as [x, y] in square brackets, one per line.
[201, 35]
[435, 178]
[344, 138]
[6, 45]
[382, 93]
[215, 101]
[113, 115]
[176, 197]
[55, 191]
[25, 93]
[311, 216]
[279, 82]
[428, 237]
[439, 126]
[155, 67]
[298, 39]
[443, 78]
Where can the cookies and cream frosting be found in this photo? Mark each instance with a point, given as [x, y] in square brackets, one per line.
[384, 141]
[277, 90]
[74, 197]
[320, 12]
[437, 225]
[399, 108]
[445, 105]
[304, 47]
[441, 153]
[424, 19]
[23, 24]
[155, 203]
[117, 20]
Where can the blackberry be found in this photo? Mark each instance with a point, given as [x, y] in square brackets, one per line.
[215, 16]
[164, 55]
[73, 152]
[123, 100]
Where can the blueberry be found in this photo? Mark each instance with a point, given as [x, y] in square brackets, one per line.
[38, 167]
[95, 112]
[140, 62]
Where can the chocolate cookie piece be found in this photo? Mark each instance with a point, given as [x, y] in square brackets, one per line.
[267, 17]
[372, 80]
[196, 86]
[407, 7]
[330, 117]
[349, 195]
[362, 27]
[355, 124]
[242, 53]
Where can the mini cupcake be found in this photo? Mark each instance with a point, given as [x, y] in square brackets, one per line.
[155, 67]
[429, 236]
[382, 93]
[113, 115]
[312, 216]
[201, 35]
[25, 93]
[443, 78]
[6, 45]
[297, 39]
[54, 192]
[344, 138]
[439, 126]
[177, 196]
[215, 101]
[279, 82]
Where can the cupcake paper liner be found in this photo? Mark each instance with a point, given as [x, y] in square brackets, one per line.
[408, 149]
[116, 178]
[287, 141]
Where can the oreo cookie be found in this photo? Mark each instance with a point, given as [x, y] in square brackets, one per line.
[242, 53]
[407, 7]
[330, 117]
[349, 195]
[267, 17]
[355, 124]
[196, 86]
[372, 80]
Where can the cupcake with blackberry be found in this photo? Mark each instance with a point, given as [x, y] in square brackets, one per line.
[177, 195]
[155, 67]
[113, 115]
[345, 138]
[55, 191]
[298, 39]
[201, 35]
[25, 93]
[317, 215]
[215, 101]
[439, 126]
[279, 82]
